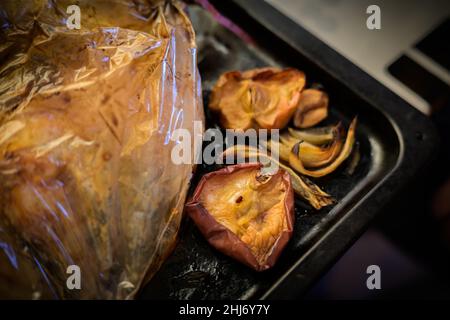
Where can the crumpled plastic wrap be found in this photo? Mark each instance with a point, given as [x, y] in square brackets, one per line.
[86, 118]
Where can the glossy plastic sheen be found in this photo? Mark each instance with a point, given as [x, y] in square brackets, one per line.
[86, 121]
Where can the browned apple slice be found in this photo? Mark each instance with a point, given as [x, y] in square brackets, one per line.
[244, 213]
[258, 98]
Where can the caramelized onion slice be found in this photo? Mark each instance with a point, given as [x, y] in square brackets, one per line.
[316, 136]
[244, 214]
[306, 189]
[296, 162]
[313, 156]
[312, 108]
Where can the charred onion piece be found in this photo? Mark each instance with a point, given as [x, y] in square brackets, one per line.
[244, 214]
[259, 98]
[312, 108]
[296, 162]
[317, 136]
[306, 189]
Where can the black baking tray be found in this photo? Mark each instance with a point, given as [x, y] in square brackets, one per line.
[395, 143]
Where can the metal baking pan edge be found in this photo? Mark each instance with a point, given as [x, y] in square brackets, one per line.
[417, 145]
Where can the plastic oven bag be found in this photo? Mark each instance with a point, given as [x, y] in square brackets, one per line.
[87, 185]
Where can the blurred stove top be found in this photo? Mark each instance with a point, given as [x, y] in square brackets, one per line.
[409, 54]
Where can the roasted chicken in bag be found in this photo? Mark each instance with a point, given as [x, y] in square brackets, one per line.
[86, 123]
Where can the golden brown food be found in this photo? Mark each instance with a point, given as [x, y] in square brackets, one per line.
[303, 187]
[86, 118]
[296, 162]
[317, 135]
[311, 155]
[312, 108]
[245, 214]
[260, 98]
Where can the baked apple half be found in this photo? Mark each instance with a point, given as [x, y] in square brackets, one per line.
[244, 213]
[259, 98]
